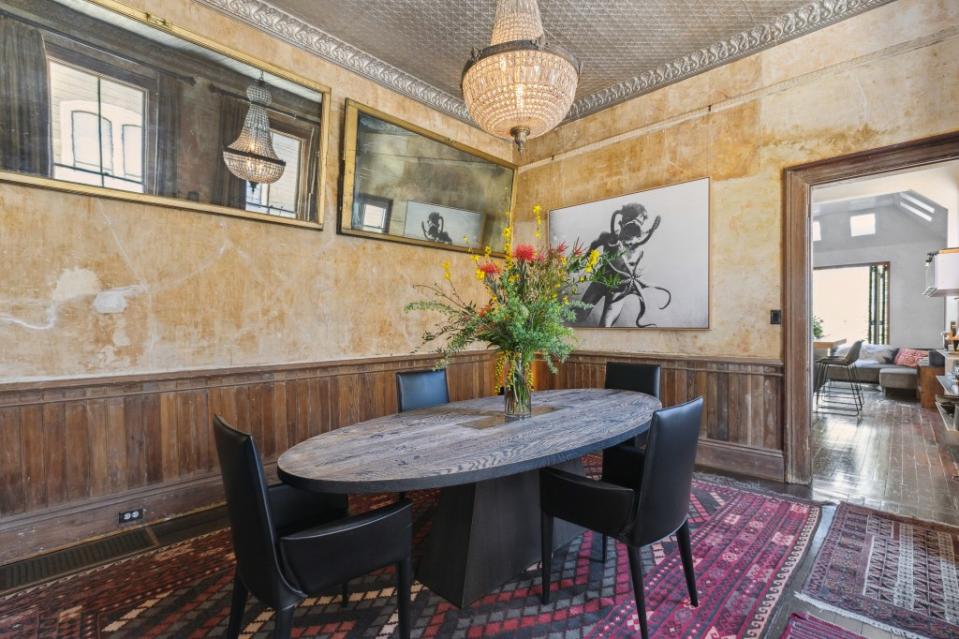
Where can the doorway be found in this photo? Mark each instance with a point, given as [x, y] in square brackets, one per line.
[799, 183]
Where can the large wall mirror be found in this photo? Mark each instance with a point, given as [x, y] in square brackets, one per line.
[405, 184]
[101, 99]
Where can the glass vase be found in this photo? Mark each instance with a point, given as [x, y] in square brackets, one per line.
[518, 383]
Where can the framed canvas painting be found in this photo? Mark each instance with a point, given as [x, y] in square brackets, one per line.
[658, 245]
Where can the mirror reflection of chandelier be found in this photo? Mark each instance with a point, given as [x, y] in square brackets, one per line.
[520, 86]
[251, 156]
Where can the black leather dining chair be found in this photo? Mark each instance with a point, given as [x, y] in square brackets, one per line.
[291, 544]
[421, 389]
[639, 508]
[642, 378]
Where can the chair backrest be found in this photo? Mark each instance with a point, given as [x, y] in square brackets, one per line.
[850, 357]
[642, 378]
[663, 502]
[247, 503]
[421, 389]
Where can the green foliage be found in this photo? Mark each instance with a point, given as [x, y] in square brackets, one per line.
[817, 331]
[529, 303]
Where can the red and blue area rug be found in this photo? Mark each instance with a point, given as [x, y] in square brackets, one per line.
[802, 625]
[896, 573]
[746, 545]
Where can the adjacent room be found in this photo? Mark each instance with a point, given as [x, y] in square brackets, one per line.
[883, 339]
[479, 318]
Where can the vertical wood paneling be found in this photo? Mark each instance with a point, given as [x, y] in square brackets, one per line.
[12, 496]
[33, 457]
[77, 441]
[100, 447]
[743, 399]
[54, 449]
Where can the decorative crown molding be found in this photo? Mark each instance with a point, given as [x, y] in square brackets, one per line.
[281, 24]
[810, 17]
[805, 19]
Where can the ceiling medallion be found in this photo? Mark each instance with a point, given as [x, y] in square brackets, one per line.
[251, 156]
[520, 86]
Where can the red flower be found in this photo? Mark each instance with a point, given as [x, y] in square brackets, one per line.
[489, 268]
[524, 253]
[561, 248]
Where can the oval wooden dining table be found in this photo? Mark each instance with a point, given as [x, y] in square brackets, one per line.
[486, 528]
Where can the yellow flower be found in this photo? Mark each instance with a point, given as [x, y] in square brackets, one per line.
[537, 209]
[594, 258]
[446, 271]
[487, 252]
[476, 259]
[480, 275]
[566, 299]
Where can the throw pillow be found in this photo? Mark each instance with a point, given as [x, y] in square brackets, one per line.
[879, 353]
[910, 357]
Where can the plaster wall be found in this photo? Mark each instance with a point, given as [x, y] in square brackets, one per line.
[95, 286]
[886, 76]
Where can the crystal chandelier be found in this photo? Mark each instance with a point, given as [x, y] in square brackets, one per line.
[520, 86]
[251, 156]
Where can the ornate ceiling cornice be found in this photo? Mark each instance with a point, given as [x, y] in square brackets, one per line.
[278, 23]
[810, 17]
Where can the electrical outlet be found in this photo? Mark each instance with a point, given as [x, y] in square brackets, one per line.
[130, 516]
[775, 316]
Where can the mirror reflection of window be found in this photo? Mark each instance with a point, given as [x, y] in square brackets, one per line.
[97, 124]
[374, 217]
[98, 98]
[280, 197]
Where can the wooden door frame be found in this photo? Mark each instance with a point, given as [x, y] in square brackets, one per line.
[797, 272]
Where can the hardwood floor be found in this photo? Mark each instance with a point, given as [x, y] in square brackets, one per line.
[891, 458]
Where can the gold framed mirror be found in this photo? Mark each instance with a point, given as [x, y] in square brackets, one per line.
[114, 102]
[402, 183]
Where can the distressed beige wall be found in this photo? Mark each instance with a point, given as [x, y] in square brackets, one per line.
[200, 290]
[887, 76]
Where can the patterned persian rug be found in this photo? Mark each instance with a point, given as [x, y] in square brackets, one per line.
[804, 626]
[746, 546]
[895, 573]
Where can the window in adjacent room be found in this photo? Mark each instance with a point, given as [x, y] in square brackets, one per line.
[279, 198]
[98, 128]
[863, 224]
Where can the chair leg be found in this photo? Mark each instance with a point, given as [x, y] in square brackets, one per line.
[686, 552]
[403, 575]
[636, 571]
[546, 544]
[284, 623]
[344, 594]
[236, 608]
[605, 548]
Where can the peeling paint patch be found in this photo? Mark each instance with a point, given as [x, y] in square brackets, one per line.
[75, 282]
[114, 300]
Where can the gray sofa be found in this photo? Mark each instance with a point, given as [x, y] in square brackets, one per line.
[875, 366]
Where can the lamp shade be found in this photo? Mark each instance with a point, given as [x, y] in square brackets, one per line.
[251, 156]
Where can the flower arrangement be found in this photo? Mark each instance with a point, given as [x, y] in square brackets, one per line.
[526, 313]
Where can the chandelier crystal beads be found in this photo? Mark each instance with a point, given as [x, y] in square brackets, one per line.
[520, 86]
[251, 156]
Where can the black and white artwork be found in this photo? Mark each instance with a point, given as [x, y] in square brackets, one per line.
[443, 225]
[657, 242]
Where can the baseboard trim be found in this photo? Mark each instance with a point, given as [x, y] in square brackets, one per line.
[763, 463]
[36, 533]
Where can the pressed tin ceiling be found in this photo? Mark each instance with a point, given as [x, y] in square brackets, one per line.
[626, 47]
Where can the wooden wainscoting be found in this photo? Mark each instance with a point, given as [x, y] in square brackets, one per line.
[75, 453]
[742, 428]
